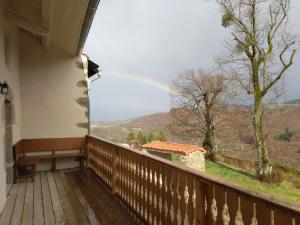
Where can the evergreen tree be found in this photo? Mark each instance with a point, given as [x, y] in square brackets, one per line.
[130, 137]
[141, 137]
[151, 137]
[161, 136]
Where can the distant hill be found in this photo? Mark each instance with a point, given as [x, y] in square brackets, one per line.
[235, 138]
[292, 102]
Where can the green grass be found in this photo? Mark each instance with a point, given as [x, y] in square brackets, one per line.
[175, 158]
[284, 190]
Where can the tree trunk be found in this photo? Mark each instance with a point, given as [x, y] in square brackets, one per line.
[264, 169]
[208, 142]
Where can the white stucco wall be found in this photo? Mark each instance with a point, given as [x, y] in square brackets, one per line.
[53, 93]
[51, 86]
[9, 72]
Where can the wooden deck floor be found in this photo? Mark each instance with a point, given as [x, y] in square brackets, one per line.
[65, 198]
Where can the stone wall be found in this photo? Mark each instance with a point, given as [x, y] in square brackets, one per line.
[194, 160]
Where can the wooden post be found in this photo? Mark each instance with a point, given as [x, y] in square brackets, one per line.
[115, 171]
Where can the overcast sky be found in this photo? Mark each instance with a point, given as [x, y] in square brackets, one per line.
[142, 45]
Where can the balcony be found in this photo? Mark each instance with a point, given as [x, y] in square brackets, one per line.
[123, 186]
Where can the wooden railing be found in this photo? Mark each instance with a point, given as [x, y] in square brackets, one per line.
[162, 193]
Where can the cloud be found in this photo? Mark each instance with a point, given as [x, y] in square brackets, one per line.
[157, 39]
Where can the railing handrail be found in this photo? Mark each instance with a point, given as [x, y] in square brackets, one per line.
[268, 200]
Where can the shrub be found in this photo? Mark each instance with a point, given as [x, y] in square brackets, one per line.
[275, 177]
[286, 136]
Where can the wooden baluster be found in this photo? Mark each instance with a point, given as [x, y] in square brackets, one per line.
[100, 163]
[160, 197]
[128, 179]
[190, 183]
[254, 219]
[225, 211]
[109, 164]
[239, 216]
[173, 197]
[142, 184]
[147, 191]
[151, 188]
[120, 169]
[179, 197]
[135, 194]
[186, 197]
[293, 221]
[125, 176]
[155, 193]
[164, 196]
[213, 207]
[169, 196]
[145, 205]
[131, 180]
[137, 181]
[115, 171]
[105, 163]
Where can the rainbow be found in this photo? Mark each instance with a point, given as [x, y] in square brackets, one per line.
[142, 78]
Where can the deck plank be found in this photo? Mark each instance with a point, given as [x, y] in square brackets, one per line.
[38, 213]
[59, 214]
[105, 205]
[82, 217]
[19, 205]
[9, 207]
[48, 207]
[27, 218]
[84, 203]
[94, 199]
[66, 204]
[65, 198]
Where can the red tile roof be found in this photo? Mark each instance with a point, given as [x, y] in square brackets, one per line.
[173, 147]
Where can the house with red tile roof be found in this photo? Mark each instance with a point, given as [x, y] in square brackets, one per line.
[190, 155]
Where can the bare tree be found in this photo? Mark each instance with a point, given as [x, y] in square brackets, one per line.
[260, 54]
[198, 95]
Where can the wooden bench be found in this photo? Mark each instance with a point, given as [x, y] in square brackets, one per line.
[29, 152]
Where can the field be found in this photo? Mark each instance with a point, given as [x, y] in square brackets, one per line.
[285, 190]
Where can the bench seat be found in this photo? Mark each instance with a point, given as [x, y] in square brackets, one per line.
[29, 152]
[57, 156]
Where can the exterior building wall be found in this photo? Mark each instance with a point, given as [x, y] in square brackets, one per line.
[9, 72]
[54, 91]
[194, 160]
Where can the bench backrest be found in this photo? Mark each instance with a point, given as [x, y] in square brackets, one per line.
[48, 144]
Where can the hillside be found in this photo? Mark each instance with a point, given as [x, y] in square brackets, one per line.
[234, 139]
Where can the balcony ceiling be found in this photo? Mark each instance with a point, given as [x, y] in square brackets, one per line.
[56, 22]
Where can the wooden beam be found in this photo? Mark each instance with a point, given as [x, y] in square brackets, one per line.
[46, 12]
[26, 24]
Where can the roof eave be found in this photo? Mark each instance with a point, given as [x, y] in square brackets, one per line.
[87, 23]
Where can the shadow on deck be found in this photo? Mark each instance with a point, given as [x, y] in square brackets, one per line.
[65, 197]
